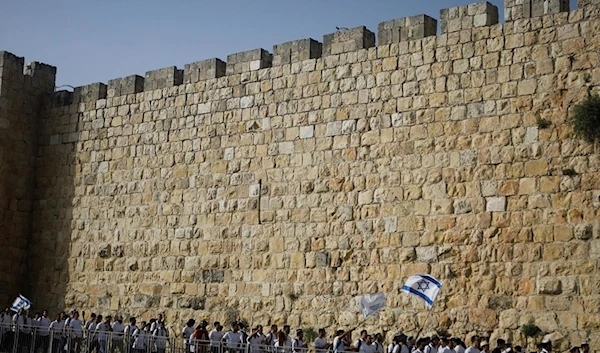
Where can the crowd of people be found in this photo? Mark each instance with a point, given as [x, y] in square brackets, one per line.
[68, 333]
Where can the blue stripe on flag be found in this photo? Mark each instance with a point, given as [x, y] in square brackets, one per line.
[432, 280]
[417, 293]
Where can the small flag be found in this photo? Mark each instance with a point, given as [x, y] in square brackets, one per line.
[425, 287]
[20, 303]
[371, 303]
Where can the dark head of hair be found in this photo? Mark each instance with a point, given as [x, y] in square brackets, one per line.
[500, 341]
[339, 332]
[363, 332]
[132, 319]
[474, 339]
[216, 324]
[281, 336]
[321, 330]
[273, 327]
[93, 315]
[286, 327]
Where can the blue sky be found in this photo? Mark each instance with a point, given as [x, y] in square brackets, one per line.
[94, 41]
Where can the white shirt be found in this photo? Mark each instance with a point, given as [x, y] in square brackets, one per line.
[233, 339]
[446, 350]
[44, 324]
[118, 330]
[141, 337]
[160, 337]
[298, 345]
[187, 332]
[19, 321]
[472, 350]
[367, 348]
[76, 327]
[320, 344]
[338, 344]
[215, 337]
[430, 349]
[130, 330]
[101, 329]
[459, 349]
[401, 348]
[57, 327]
[254, 342]
[270, 339]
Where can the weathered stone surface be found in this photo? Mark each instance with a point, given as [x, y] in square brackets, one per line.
[319, 180]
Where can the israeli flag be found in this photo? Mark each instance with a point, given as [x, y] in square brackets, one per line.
[20, 303]
[425, 287]
[371, 303]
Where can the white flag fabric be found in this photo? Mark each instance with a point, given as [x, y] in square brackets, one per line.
[371, 303]
[20, 303]
[425, 287]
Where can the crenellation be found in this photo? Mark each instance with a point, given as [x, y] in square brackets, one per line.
[250, 60]
[11, 68]
[62, 98]
[204, 70]
[405, 29]
[125, 85]
[348, 40]
[520, 9]
[296, 51]
[163, 78]
[89, 93]
[458, 18]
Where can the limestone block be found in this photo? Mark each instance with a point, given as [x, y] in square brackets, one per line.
[405, 29]
[62, 98]
[495, 204]
[349, 40]
[163, 78]
[549, 285]
[89, 93]
[435, 191]
[516, 10]
[481, 14]
[427, 254]
[204, 70]
[583, 3]
[307, 131]
[296, 51]
[125, 85]
[247, 61]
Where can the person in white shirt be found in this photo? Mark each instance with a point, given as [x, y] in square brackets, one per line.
[432, 347]
[75, 328]
[485, 347]
[420, 346]
[298, 345]
[128, 333]
[447, 345]
[255, 340]
[279, 346]
[160, 335]
[340, 342]
[321, 344]
[400, 346]
[458, 345]
[474, 347]
[5, 324]
[43, 325]
[56, 328]
[368, 346]
[141, 338]
[271, 337]
[117, 335]
[102, 332]
[360, 341]
[155, 323]
[187, 333]
[233, 338]
[90, 327]
[215, 337]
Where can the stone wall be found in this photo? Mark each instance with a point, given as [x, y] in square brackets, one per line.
[276, 187]
[24, 97]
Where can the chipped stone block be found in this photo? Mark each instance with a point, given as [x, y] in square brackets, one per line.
[516, 10]
[125, 85]
[229, 153]
[62, 98]
[89, 93]
[405, 29]
[459, 18]
[549, 285]
[427, 253]
[296, 51]
[204, 70]
[349, 40]
[495, 204]
[250, 60]
[162, 78]
[391, 224]
[583, 3]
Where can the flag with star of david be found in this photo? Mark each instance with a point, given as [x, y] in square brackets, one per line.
[425, 287]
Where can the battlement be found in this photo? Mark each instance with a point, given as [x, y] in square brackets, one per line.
[17, 75]
[405, 29]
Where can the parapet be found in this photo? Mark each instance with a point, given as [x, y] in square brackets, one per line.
[406, 28]
[519, 9]
[89, 93]
[125, 85]
[296, 50]
[349, 40]
[204, 70]
[62, 98]
[11, 65]
[479, 14]
[37, 77]
[250, 60]
[162, 78]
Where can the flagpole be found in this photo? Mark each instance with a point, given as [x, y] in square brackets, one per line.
[424, 322]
